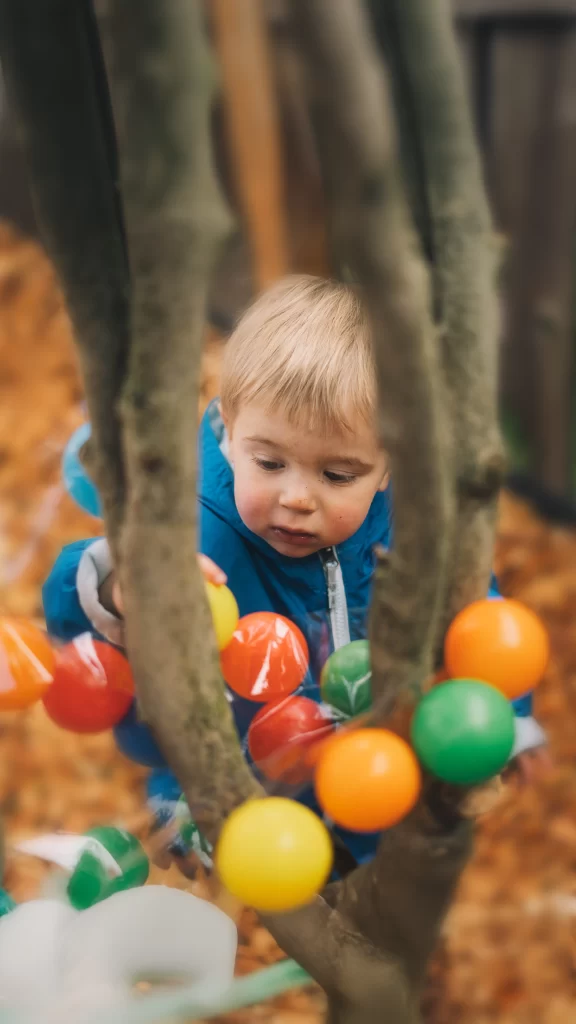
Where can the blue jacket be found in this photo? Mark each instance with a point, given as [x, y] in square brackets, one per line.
[260, 578]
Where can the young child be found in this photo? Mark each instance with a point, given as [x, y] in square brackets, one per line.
[293, 488]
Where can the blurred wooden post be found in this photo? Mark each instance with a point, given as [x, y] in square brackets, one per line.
[254, 131]
[522, 65]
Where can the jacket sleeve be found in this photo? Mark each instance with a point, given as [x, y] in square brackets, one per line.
[221, 542]
[529, 733]
[65, 617]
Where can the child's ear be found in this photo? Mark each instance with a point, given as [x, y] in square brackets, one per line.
[225, 419]
[385, 477]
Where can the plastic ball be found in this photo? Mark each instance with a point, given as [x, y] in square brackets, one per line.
[267, 657]
[90, 882]
[190, 834]
[346, 679]
[93, 687]
[463, 731]
[225, 612]
[281, 735]
[274, 854]
[26, 664]
[76, 480]
[135, 740]
[367, 779]
[499, 642]
[7, 904]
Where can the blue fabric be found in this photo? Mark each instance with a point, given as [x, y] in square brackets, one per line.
[65, 618]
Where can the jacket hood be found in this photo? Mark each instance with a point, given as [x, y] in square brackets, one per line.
[216, 492]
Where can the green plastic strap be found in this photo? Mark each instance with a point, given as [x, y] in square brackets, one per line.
[197, 1002]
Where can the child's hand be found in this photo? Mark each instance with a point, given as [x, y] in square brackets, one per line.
[209, 570]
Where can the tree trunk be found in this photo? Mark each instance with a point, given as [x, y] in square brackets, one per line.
[367, 939]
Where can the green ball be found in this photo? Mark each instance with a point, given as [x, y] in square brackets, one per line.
[346, 679]
[90, 882]
[7, 904]
[190, 834]
[128, 853]
[463, 731]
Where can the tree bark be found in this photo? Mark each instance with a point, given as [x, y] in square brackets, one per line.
[175, 221]
[464, 263]
[376, 242]
[367, 939]
[56, 85]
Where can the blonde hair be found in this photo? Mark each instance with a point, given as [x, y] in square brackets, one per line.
[304, 346]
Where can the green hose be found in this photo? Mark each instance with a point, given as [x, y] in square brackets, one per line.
[195, 1001]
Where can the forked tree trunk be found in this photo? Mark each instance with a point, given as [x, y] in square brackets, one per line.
[367, 939]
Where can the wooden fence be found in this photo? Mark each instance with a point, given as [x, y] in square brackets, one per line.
[520, 58]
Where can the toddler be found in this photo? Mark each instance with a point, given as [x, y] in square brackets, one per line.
[293, 487]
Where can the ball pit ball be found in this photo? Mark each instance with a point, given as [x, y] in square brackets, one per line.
[224, 610]
[76, 480]
[93, 687]
[26, 664]
[463, 731]
[281, 735]
[135, 740]
[190, 834]
[499, 642]
[267, 657]
[345, 682]
[273, 854]
[90, 882]
[367, 779]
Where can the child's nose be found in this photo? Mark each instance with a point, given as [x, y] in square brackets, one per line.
[298, 499]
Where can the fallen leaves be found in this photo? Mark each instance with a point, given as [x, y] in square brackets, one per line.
[508, 952]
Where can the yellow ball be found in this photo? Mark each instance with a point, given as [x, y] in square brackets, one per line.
[225, 612]
[274, 854]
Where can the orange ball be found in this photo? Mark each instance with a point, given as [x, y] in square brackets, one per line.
[267, 657]
[26, 664]
[500, 642]
[367, 779]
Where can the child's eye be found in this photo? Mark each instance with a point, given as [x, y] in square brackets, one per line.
[269, 465]
[339, 478]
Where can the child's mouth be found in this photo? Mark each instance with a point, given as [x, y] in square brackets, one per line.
[298, 538]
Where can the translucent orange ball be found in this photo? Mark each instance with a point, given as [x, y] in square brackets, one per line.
[498, 642]
[267, 657]
[367, 779]
[26, 664]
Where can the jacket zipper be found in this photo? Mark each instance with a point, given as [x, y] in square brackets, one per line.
[337, 604]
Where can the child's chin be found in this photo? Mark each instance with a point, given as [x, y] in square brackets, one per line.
[291, 550]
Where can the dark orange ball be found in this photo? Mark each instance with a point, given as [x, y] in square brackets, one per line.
[367, 779]
[267, 657]
[500, 642]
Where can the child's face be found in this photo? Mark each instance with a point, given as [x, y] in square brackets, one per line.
[298, 490]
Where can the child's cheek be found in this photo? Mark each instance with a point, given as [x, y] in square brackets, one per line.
[252, 505]
[347, 518]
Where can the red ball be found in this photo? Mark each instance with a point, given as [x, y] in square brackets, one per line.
[267, 657]
[282, 734]
[93, 687]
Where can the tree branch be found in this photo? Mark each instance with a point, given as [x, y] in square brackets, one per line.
[376, 241]
[53, 69]
[464, 275]
[175, 221]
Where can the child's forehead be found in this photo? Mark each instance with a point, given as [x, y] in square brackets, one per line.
[260, 424]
